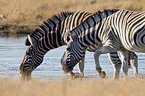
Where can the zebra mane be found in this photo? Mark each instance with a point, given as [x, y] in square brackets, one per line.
[91, 17]
[55, 19]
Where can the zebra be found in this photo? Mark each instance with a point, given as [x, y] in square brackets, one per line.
[50, 35]
[123, 31]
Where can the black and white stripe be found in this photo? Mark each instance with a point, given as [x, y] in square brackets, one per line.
[123, 31]
[51, 35]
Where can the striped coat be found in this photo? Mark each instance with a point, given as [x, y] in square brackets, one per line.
[50, 35]
[123, 31]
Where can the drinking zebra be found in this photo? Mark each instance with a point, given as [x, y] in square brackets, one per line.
[123, 31]
[50, 35]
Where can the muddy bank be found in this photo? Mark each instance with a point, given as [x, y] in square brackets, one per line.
[6, 30]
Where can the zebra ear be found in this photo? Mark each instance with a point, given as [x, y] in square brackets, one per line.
[30, 40]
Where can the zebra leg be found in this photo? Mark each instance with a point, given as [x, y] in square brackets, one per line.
[102, 74]
[125, 61]
[134, 61]
[98, 52]
[114, 58]
[81, 67]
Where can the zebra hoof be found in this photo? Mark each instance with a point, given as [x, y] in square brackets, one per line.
[77, 75]
[25, 77]
[102, 74]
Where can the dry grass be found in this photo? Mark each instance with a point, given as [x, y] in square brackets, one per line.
[24, 12]
[73, 88]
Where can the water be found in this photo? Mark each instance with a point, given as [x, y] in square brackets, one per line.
[12, 50]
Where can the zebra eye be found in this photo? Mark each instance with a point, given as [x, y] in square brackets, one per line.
[68, 38]
[68, 48]
[27, 53]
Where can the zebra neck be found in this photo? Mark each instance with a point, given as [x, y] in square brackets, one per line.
[47, 35]
[72, 21]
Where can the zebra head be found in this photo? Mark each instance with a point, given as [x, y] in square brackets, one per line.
[74, 52]
[32, 58]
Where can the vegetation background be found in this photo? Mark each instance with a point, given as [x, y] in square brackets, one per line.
[73, 88]
[23, 16]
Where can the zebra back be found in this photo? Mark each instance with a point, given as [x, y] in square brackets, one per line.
[54, 20]
[90, 21]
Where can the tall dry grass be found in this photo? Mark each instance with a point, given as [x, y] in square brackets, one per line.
[23, 12]
[21, 15]
[73, 88]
